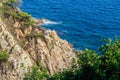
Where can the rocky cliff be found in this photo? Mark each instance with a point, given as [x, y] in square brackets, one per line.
[30, 45]
[13, 69]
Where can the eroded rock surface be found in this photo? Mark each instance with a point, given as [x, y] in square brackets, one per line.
[19, 61]
[27, 46]
[55, 54]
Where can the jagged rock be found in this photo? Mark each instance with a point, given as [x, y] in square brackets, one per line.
[37, 21]
[28, 30]
[16, 25]
[12, 70]
[19, 34]
[41, 45]
[37, 30]
[54, 53]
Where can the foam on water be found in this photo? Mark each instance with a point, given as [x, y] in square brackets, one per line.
[84, 22]
[49, 22]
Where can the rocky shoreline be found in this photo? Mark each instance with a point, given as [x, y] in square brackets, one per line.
[29, 45]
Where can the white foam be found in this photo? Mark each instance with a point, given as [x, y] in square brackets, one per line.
[49, 22]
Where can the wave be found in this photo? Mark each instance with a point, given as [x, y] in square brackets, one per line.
[49, 22]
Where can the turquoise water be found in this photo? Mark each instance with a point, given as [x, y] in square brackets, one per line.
[82, 22]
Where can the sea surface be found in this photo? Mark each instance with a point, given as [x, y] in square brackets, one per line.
[81, 22]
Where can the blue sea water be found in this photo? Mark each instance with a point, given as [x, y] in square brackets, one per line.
[82, 22]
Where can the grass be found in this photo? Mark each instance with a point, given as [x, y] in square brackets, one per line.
[4, 56]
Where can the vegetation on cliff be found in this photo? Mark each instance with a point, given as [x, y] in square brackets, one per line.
[90, 65]
[36, 74]
[3, 56]
[9, 10]
[29, 44]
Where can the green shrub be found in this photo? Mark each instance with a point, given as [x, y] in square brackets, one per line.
[95, 67]
[9, 10]
[9, 2]
[68, 74]
[24, 17]
[21, 16]
[89, 62]
[110, 60]
[4, 56]
[35, 74]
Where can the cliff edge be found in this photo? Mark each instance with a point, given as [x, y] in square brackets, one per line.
[29, 45]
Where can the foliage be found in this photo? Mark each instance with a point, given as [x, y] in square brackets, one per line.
[65, 75]
[86, 62]
[4, 56]
[9, 2]
[1, 10]
[95, 67]
[22, 16]
[10, 10]
[110, 60]
[89, 62]
[90, 65]
[35, 74]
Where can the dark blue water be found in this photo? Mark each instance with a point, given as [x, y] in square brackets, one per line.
[83, 22]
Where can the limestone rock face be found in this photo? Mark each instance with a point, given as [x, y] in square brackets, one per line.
[38, 45]
[28, 30]
[54, 53]
[19, 61]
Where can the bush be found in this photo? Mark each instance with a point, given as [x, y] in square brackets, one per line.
[24, 17]
[88, 62]
[95, 67]
[9, 10]
[110, 60]
[35, 74]
[9, 2]
[4, 56]
[21, 16]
